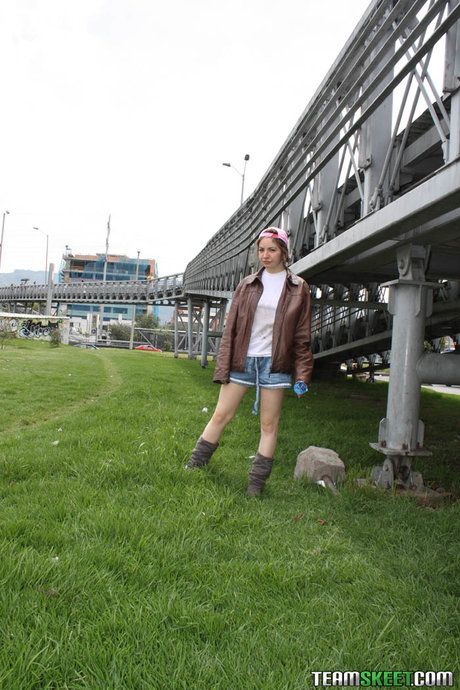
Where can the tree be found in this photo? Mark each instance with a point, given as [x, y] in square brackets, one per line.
[147, 321]
[55, 337]
[119, 332]
[5, 333]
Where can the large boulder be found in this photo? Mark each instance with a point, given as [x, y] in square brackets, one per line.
[318, 464]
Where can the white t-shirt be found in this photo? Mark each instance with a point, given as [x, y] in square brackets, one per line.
[260, 344]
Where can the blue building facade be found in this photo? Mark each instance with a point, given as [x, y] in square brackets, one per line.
[90, 267]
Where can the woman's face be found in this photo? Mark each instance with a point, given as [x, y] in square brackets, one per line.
[270, 255]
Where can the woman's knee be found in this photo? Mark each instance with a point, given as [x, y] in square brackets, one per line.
[269, 426]
[222, 417]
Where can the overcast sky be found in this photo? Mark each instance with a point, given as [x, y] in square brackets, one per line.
[129, 107]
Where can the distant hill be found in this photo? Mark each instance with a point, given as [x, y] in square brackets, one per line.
[16, 276]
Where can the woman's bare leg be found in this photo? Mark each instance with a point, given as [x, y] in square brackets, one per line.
[271, 400]
[230, 396]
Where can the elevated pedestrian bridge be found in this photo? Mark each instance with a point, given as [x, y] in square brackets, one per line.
[164, 290]
[371, 167]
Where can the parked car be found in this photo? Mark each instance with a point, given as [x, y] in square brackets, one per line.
[148, 348]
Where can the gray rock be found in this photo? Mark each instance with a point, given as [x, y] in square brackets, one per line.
[416, 481]
[363, 481]
[316, 463]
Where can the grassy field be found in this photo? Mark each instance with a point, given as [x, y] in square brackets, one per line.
[118, 569]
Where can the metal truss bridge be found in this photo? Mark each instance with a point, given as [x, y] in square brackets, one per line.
[163, 290]
[367, 185]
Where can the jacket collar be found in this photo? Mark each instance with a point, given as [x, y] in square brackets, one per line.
[291, 277]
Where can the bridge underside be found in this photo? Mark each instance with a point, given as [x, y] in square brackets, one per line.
[366, 252]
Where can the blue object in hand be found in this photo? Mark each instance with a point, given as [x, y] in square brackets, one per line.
[300, 387]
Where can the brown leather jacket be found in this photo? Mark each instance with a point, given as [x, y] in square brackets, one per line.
[291, 353]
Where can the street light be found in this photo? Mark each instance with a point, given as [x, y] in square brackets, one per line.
[5, 213]
[104, 278]
[242, 175]
[46, 257]
[131, 337]
[104, 273]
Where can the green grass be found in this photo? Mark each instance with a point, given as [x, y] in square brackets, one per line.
[118, 569]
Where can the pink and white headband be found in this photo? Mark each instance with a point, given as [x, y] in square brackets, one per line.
[277, 233]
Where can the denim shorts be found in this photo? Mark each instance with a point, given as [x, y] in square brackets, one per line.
[257, 372]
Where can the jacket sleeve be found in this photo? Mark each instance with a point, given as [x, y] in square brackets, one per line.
[303, 356]
[224, 358]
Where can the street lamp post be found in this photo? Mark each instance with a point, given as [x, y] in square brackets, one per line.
[131, 339]
[104, 278]
[242, 175]
[46, 256]
[104, 273]
[5, 213]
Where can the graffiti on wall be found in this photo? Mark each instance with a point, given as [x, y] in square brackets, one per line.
[34, 328]
[29, 327]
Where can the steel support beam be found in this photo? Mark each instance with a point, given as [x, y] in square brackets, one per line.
[438, 194]
[49, 292]
[436, 368]
[452, 83]
[376, 133]
[220, 322]
[204, 335]
[401, 432]
[191, 354]
[323, 197]
[176, 330]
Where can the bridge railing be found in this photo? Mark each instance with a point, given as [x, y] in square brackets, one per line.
[98, 291]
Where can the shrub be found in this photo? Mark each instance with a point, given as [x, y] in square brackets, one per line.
[120, 332]
[5, 333]
[55, 337]
[147, 321]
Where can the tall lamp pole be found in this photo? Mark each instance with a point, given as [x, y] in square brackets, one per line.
[104, 276]
[46, 256]
[242, 175]
[131, 339]
[5, 213]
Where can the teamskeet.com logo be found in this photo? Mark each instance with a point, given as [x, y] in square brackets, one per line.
[383, 679]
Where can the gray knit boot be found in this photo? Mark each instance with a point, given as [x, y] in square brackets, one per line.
[258, 474]
[201, 454]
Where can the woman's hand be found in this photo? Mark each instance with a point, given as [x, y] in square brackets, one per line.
[300, 388]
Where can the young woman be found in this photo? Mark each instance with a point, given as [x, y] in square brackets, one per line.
[266, 339]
